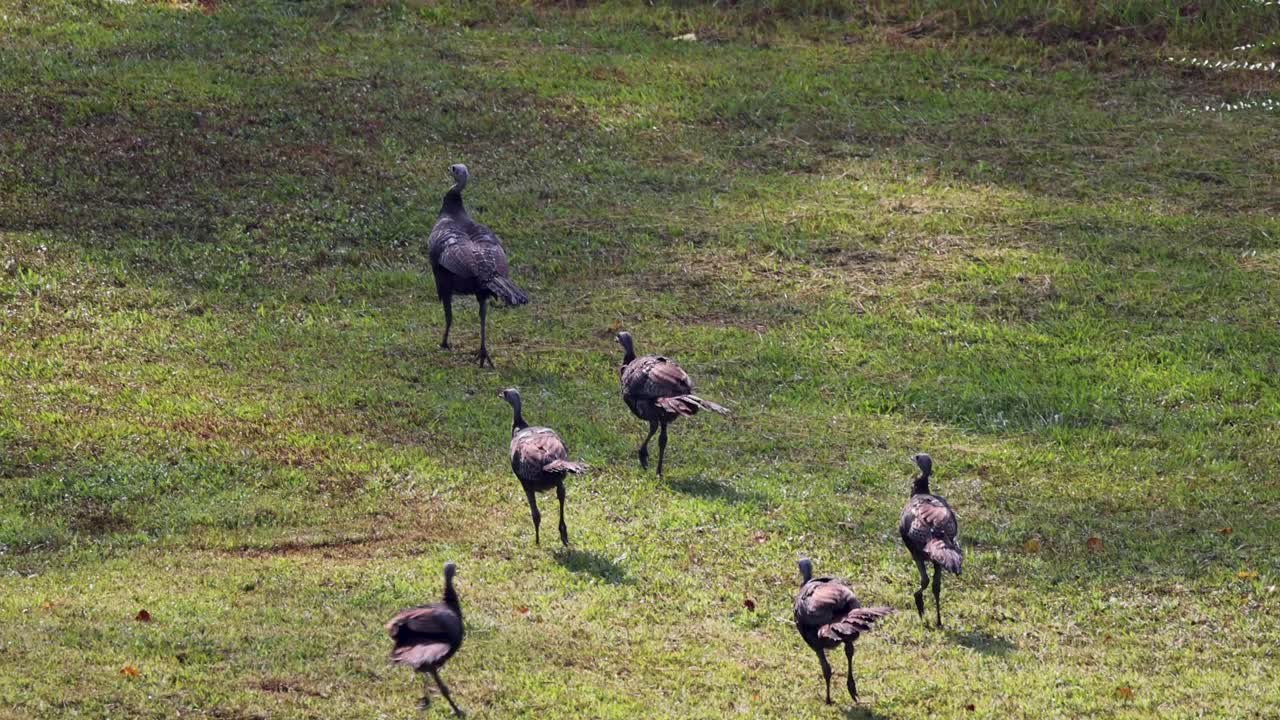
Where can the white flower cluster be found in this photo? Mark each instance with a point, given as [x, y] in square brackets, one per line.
[1257, 46]
[1223, 65]
[1263, 104]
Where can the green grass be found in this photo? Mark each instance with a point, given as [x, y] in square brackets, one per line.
[223, 401]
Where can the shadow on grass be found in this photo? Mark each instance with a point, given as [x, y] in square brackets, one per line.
[713, 490]
[592, 563]
[859, 712]
[983, 642]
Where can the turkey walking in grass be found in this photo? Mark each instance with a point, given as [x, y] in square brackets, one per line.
[427, 636]
[467, 259]
[539, 460]
[658, 390]
[928, 528]
[828, 614]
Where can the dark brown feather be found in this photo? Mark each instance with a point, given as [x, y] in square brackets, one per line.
[946, 555]
[539, 457]
[666, 378]
[656, 388]
[427, 636]
[828, 612]
[420, 657]
[558, 466]
[928, 526]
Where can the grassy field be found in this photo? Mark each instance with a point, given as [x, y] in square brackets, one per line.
[871, 234]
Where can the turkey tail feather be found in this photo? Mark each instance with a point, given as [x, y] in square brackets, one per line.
[507, 291]
[564, 466]
[689, 405]
[945, 554]
[855, 622]
[418, 656]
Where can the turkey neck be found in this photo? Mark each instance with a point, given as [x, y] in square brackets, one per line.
[517, 421]
[921, 485]
[451, 597]
[453, 202]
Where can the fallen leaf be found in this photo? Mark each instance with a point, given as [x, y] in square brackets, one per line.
[761, 538]
[129, 671]
[1225, 531]
[46, 605]
[523, 611]
[749, 604]
[1124, 692]
[1247, 575]
[970, 707]
[143, 616]
[1032, 545]
[1094, 544]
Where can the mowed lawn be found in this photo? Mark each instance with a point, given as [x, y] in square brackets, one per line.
[222, 400]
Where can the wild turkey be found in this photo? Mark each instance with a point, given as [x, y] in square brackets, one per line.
[658, 390]
[538, 460]
[427, 636]
[468, 259]
[829, 614]
[928, 528]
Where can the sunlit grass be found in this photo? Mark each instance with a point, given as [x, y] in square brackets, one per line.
[224, 403]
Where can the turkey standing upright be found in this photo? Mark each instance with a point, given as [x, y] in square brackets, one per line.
[928, 528]
[828, 614]
[539, 461]
[467, 259]
[427, 636]
[658, 390]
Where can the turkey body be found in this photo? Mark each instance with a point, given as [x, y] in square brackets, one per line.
[540, 462]
[828, 615]
[656, 389]
[930, 532]
[425, 637]
[468, 259]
